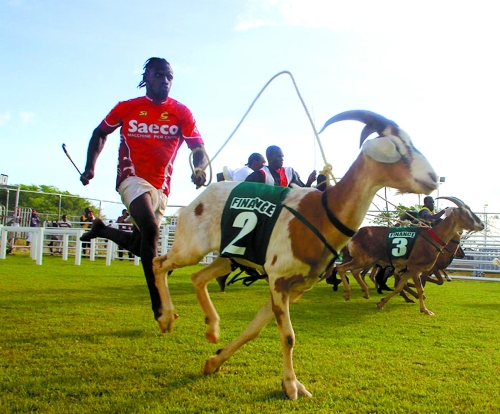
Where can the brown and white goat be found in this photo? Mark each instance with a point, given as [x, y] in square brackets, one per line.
[368, 247]
[450, 251]
[297, 256]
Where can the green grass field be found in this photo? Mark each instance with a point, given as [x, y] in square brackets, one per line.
[82, 339]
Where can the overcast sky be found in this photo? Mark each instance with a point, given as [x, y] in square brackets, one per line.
[431, 66]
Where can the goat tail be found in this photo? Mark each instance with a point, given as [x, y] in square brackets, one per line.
[496, 261]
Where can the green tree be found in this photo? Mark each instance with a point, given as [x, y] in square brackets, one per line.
[48, 200]
[390, 218]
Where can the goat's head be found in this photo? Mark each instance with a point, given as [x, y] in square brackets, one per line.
[392, 146]
[465, 217]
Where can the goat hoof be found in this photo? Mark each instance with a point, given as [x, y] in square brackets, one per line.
[294, 388]
[380, 305]
[166, 321]
[211, 366]
[212, 337]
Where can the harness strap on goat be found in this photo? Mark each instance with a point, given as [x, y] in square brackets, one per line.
[448, 250]
[439, 249]
[333, 219]
[252, 277]
[453, 253]
[435, 237]
[317, 234]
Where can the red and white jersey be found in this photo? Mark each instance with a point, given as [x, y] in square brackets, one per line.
[285, 174]
[150, 137]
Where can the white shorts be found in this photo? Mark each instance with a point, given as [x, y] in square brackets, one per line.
[133, 187]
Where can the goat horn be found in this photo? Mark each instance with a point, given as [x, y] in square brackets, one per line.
[455, 200]
[374, 122]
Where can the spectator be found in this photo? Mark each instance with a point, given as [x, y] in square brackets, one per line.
[87, 218]
[86, 221]
[34, 221]
[14, 222]
[54, 238]
[120, 220]
[275, 174]
[64, 222]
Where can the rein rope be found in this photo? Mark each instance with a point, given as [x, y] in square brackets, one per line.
[327, 170]
[197, 170]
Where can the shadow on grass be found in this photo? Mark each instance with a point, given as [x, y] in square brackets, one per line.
[81, 337]
[481, 306]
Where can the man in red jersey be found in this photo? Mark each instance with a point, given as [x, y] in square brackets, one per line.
[153, 128]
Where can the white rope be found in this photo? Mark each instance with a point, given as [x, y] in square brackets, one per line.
[328, 168]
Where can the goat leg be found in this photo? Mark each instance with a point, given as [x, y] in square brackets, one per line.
[280, 305]
[167, 318]
[438, 280]
[399, 287]
[361, 283]
[263, 317]
[200, 281]
[420, 290]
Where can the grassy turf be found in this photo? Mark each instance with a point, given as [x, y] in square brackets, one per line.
[82, 339]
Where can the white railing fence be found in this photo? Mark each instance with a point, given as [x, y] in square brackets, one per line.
[65, 242]
[480, 248]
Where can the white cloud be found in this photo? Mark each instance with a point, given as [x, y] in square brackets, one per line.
[424, 18]
[259, 13]
[4, 118]
[27, 117]
[248, 22]
[340, 16]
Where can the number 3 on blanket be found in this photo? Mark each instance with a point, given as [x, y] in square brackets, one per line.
[400, 248]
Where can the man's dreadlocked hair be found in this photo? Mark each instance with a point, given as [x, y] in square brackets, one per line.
[148, 65]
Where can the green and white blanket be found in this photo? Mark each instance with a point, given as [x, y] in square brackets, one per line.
[248, 220]
[400, 241]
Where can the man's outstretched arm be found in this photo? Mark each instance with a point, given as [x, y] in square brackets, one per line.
[96, 144]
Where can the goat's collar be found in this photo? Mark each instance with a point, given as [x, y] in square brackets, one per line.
[334, 220]
[435, 237]
[309, 225]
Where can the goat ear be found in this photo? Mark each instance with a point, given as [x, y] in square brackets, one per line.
[382, 149]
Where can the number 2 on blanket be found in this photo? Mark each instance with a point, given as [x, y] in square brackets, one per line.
[399, 244]
[247, 222]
